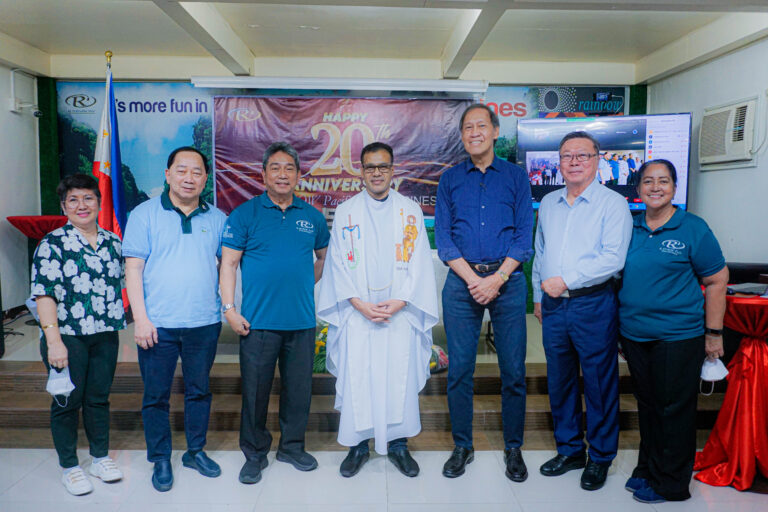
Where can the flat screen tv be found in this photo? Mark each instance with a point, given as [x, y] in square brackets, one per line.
[625, 143]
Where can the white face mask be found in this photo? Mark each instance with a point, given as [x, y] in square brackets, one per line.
[712, 371]
[59, 384]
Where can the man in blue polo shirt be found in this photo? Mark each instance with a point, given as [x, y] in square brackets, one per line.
[483, 231]
[171, 247]
[273, 237]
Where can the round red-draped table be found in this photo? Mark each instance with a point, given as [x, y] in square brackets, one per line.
[37, 226]
[738, 444]
[34, 227]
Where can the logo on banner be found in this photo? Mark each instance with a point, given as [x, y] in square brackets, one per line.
[243, 114]
[80, 104]
[80, 101]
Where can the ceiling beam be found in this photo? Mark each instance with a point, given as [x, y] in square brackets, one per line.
[644, 5]
[569, 5]
[468, 36]
[18, 54]
[208, 27]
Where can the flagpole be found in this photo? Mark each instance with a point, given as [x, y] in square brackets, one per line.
[108, 55]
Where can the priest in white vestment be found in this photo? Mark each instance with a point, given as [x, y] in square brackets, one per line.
[379, 296]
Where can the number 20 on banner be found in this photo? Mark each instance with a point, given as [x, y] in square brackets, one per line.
[329, 164]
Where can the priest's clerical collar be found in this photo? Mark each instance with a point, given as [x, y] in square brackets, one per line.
[379, 200]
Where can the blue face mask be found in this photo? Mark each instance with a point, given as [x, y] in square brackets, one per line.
[59, 384]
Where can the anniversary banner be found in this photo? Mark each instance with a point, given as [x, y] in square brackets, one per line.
[328, 134]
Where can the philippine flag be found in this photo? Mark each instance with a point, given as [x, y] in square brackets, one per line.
[107, 166]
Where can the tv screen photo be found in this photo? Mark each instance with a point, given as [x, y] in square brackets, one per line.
[626, 142]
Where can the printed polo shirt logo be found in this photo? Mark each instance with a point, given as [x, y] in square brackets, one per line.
[672, 247]
[227, 233]
[305, 226]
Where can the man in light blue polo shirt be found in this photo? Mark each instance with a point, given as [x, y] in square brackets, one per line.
[273, 237]
[581, 243]
[171, 247]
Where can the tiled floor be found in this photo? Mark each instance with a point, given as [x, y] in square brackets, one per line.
[30, 478]
[29, 481]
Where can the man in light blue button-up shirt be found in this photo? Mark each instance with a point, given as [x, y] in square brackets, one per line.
[581, 242]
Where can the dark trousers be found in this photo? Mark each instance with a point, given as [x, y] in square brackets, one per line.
[463, 318]
[582, 331]
[92, 359]
[401, 443]
[197, 348]
[294, 352]
[665, 377]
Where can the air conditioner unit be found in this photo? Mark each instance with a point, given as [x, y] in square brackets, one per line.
[726, 133]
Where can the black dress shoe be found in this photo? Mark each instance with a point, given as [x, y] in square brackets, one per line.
[162, 476]
[516, 470]
[353, 461]
[561, 464]
[458, 460]
[301, 460]
[202, 463]
[403, 461]
[594, 475]
[251, 470]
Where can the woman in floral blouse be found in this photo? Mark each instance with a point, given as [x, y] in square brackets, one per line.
[77, 276]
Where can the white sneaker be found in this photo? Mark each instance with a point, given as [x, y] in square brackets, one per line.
[106, 470]
[76, 482]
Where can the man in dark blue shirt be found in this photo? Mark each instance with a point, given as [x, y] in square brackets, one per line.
[483, 232]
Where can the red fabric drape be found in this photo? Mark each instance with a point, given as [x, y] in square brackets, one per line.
[37, 226]
[738, 444]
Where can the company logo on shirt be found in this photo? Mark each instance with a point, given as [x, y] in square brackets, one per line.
[305, 226]
[227, 233]
[672, 247]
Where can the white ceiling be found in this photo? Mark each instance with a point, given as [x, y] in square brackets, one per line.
[88, 27]
[604, 36]
[452, 32]
[341, 31]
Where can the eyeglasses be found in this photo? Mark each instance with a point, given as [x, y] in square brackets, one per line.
[383, 168]
[580, 157]
[73, 202]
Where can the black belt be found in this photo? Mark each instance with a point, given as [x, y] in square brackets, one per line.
[587, 290]
[484, 268]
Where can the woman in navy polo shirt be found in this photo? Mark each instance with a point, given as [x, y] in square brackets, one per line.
[667, 330]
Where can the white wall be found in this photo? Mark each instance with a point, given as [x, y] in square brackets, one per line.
[734, 202]
[19, 185]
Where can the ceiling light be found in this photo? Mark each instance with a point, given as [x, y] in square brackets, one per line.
[309, 27]
[340, 84]
[253, 25]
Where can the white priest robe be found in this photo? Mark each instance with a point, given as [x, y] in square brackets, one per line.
[379, 250]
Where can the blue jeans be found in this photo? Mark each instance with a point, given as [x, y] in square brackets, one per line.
[583, 331]
[463, 318]
[197, 347]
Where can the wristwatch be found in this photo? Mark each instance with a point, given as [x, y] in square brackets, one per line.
[227, 307]
[503, 275]
[716, 332]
